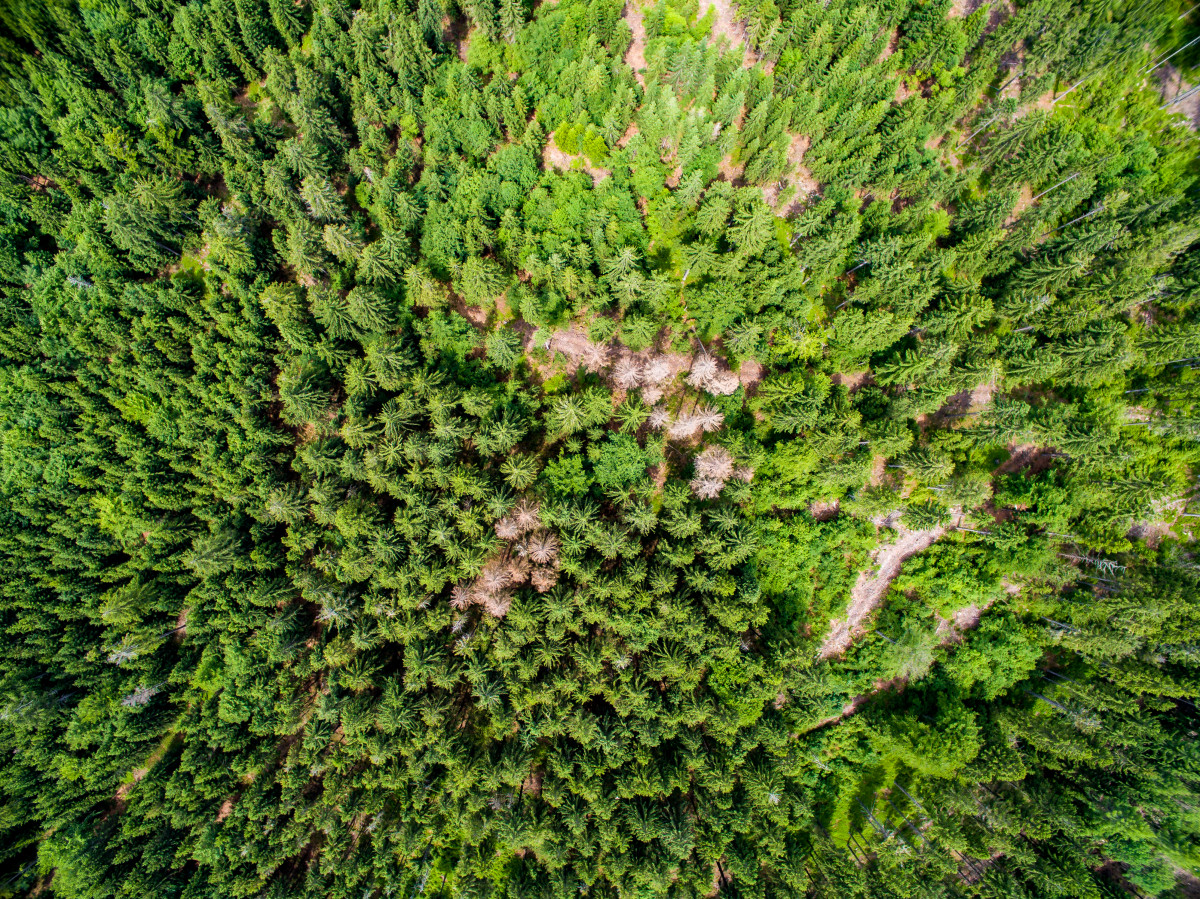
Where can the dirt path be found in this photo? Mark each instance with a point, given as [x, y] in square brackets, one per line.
[635, 56]
[872, 586]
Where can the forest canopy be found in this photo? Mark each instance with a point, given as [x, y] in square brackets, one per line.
[483, 448]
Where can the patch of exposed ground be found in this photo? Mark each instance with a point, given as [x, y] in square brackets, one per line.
[1165, 515]
[749, 373]
[824, 511]
[635, 56]
[872, 586]
[962, 405]
[137, 774]
[998, 14]
[1172, 86]
[847, 710]
[476, 315]
[892, 45]
[951, 631]
[658, 475]
[968, 617]
[1031, 457]
[554, 158]
[731, 171]
[718, 881]
[455, 33]
[1188, 883]
[245, 103]
[1152, 532]
[307, 433]
[878, 474]
[1012, 64]
[1023, 201]
[798, 177]
[726, 24]
[532, 786]
[853, 380]
[960, 9]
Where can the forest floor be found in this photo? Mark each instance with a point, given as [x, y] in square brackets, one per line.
[553, 157]
[872, 585]
[726, 24]
[1172, 85]
[799, 178]
[635, 56]
[948, 632]
[963, 8]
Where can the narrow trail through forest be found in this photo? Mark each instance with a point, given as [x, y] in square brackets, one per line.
[872, 585]
[949, 631]
[635, 56]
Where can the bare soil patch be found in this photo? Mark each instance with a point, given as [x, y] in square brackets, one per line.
[726, 24]
[1023, 202]
[307, 433]
[476, 315]
[1031, 457]
[951, 631]
[967, 617]
[963, 405]
[749, 373]
[1165, 516]
[962, 8]
[635, 56]
[872, 586]
[1011, 65]
[824, 511]
[892, 45]
[532, 785]
[1172, 85]
[554, 158]
[799, 176]
[852, 380]
[878, 475]
[730, 171]
[455, 33]
[997, 15]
